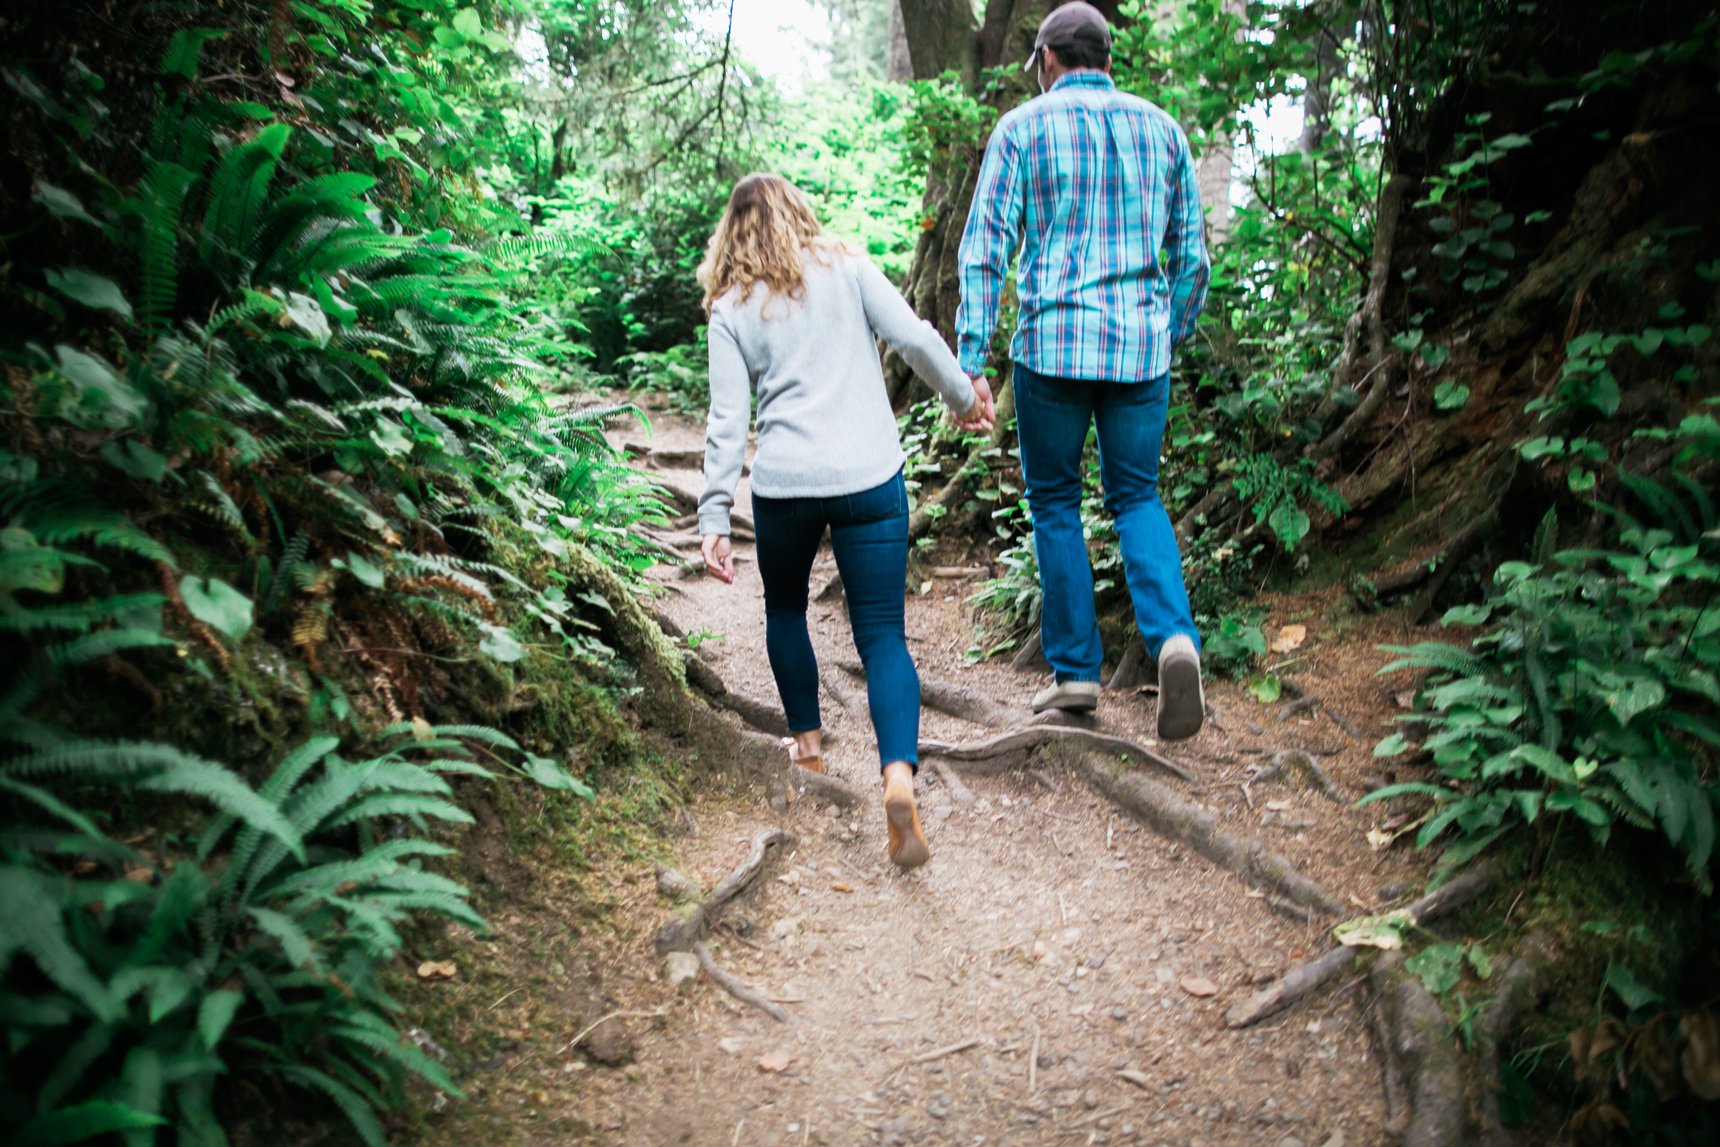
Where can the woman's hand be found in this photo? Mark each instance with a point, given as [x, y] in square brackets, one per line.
[719, 557]
[983, 413]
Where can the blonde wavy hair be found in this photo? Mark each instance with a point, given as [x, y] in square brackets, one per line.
[766, 228]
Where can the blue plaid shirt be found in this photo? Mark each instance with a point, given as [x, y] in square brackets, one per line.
[1102, 183]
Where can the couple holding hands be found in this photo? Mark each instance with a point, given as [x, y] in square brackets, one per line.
[1096, 189]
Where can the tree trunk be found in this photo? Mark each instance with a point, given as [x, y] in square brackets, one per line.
[898, 66]
[1317, 99]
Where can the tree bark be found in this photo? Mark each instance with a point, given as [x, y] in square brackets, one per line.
[1317, 99]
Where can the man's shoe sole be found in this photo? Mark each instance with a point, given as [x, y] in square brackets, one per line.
[1070, 702]
[1182, 708]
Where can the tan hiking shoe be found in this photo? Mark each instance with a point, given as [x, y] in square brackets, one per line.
[810, 764]
[1182, 703]
[907, 845]
[1077, 696]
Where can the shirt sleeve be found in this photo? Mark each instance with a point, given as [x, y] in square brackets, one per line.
[725, 428]
[1187, 265]
[916, 340]
[989, 240]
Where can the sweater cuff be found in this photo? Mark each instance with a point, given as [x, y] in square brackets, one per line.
[714, 522]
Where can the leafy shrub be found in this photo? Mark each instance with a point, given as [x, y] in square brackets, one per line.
[1593, 696]
[1229, 644]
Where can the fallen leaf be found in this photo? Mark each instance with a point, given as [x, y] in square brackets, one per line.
[1404, 700]
[1198, 986]
[140, 875]
[436, 970]
[539, 1096]
[838, 886]
[775, 1061]
[1138, 1078]
[1379, 841]
[1289, 638]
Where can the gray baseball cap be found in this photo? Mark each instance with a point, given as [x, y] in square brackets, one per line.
[1066, 23]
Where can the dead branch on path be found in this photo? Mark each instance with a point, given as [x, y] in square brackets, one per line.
[961, 701]
[1316, 974]
[733, 985]
[687, 926]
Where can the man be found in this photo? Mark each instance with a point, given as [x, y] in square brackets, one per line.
[1093, 185]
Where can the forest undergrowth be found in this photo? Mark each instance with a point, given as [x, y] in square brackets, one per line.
[312, 546]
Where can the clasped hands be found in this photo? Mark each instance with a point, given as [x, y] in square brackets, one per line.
[718, 551]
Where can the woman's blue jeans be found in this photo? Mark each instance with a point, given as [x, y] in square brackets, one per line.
[869, 533]
[1052, 417]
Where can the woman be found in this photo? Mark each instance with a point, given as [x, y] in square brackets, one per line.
[794, 313]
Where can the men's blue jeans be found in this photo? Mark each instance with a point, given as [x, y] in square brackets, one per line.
[869, 534]
[1052, 417]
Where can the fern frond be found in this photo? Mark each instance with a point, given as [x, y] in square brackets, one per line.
[77, 616]
[1435, 655]
[163, 193]
[220, 505]
[84, 1122]
[295, 552]
[33, 924]
[400, 804]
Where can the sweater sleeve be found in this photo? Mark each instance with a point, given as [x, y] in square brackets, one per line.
[917, 341]
[725, 428]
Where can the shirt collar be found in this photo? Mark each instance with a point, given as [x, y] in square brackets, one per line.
[1086, 78]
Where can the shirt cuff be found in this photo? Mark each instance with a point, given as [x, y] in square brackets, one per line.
[714, 522]
[971, 356]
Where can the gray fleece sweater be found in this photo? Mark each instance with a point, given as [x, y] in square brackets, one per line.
[825, 427]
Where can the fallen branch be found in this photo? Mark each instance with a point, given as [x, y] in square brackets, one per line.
[687, 926]
[1305, 703]
[947, 1049]
[733, 985]
[1302, 765]
[1188, 824]
[853, 702]
[1316, 974]
[1010, 750]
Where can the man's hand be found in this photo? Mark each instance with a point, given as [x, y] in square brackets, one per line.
[719, 557]
[983, 413]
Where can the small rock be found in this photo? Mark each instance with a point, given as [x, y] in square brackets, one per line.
[1337, 1140]
[1119, 1014]
[610, 1043]
[1291, 1141]
[1089, 1099]
[1372, 784]
[1178, 937]
[731, 1044]
[776, 1061]
[1128, 1131]
[939, 1108]
[1198, 986]
[681, 968]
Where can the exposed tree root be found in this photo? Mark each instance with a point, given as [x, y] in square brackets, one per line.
[733, 985]
[687, 926]
[1186, 823]
[853, 701]
[1423, 1052]
[1316, 974]
[1010, 750]
[1030, 658]
[956, 700]
[959, 792]
[1136, 668]
[761, 715]
[1519, 985]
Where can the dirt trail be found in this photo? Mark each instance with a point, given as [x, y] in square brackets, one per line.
[1047, 919]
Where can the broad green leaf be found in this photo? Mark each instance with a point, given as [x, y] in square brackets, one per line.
[104, 398]
[214, 602]
[1440, 966]
[1392, 746]
[361, 568]
[1266, 689]
[1434, 355]
[90, 289]
[1383, 931]
[133, 458]
[499, 642]
[1467, 615]
[1631, 990]
[552, 776]
[1289, 523]
[1638, 696]
[307, 314]
[62, 202]
[1450, 395]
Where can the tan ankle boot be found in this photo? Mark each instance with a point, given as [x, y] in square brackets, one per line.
[907, 840]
